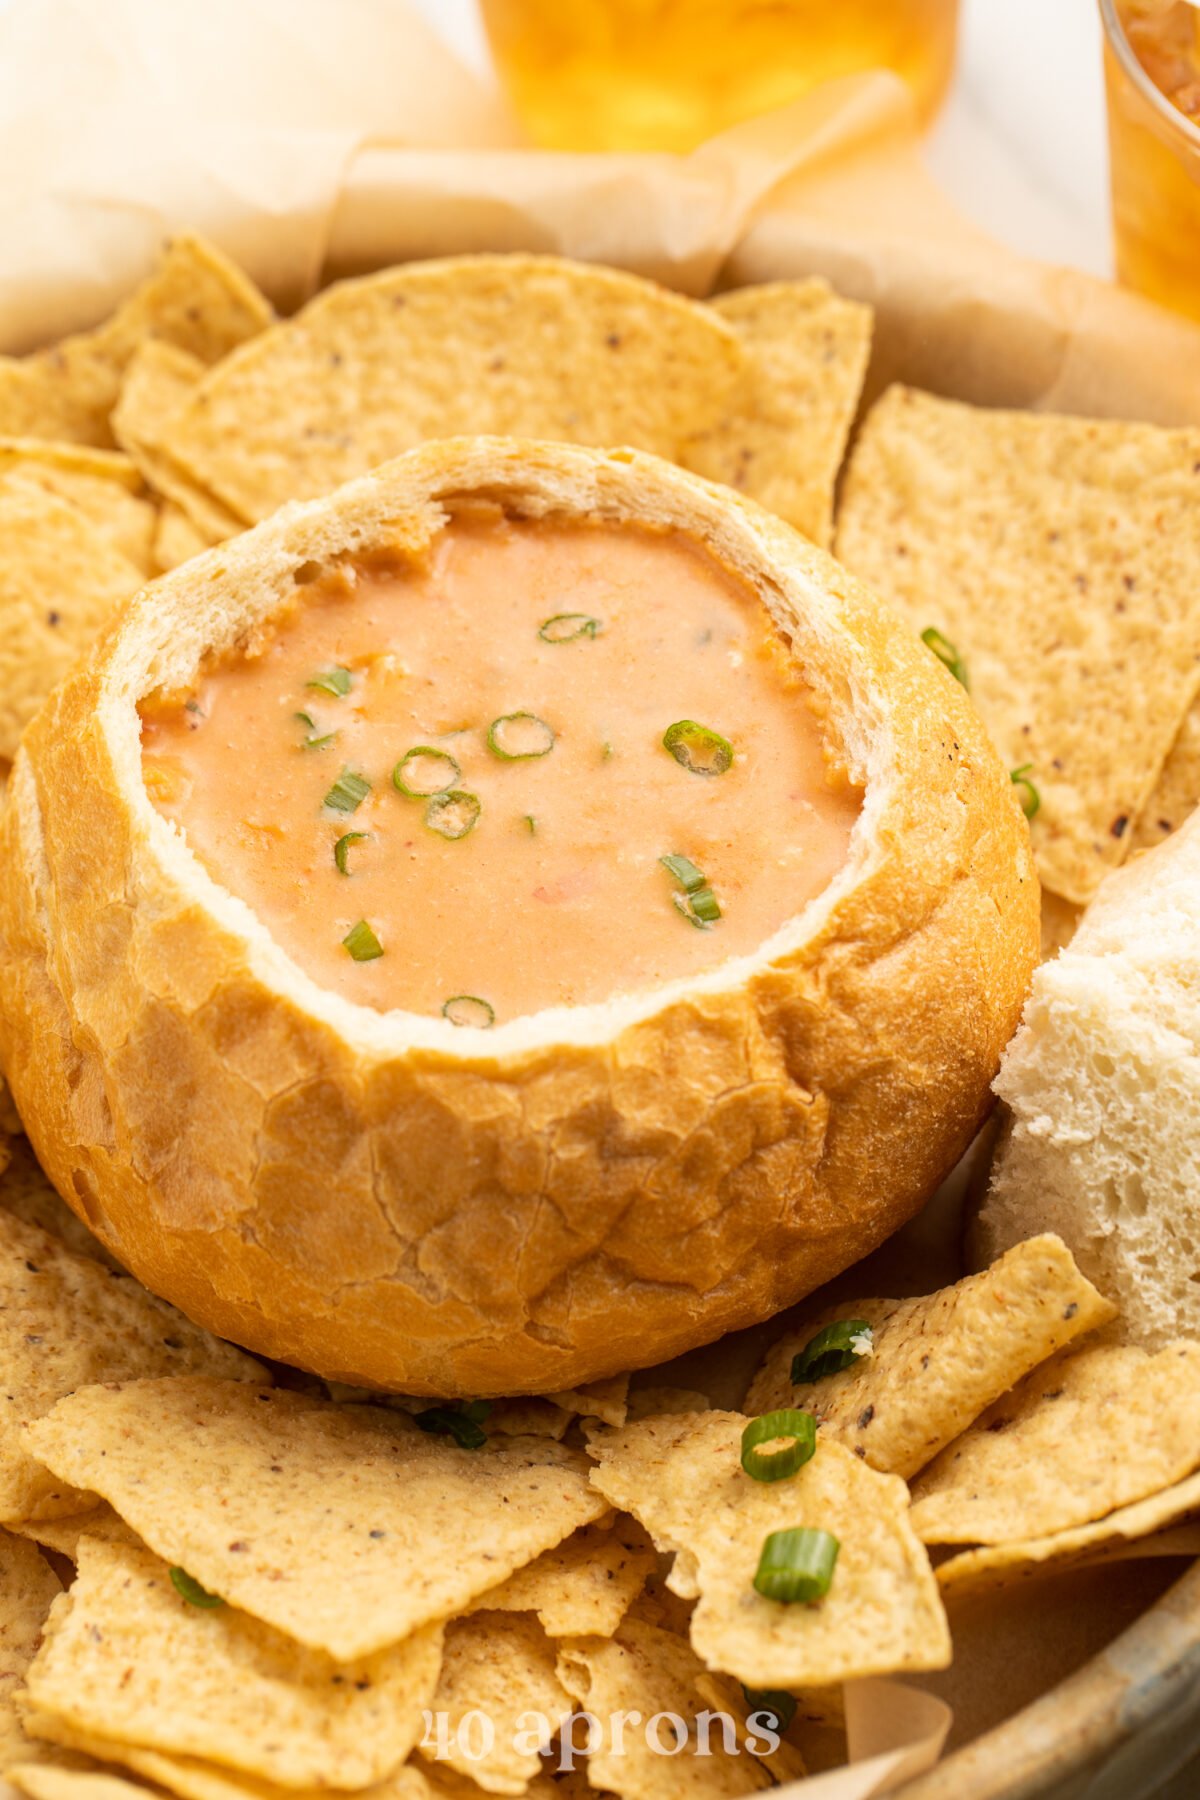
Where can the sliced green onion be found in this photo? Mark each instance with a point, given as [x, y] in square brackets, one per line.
[946, 653]
[422, 772]
[332, 681]
[780, 1705]
[519, 736]
[444, 1421]
[838, 1347]
[793, 1431]
[698, 904]
[314, 741]
[530, 824]
[189, 1589]
[564, 628]
[796, 1565]
[348, 792]
[362, 943]
[697, 749]
[342, 848]
[468, 1009]
[453, 814]
[1027, 794]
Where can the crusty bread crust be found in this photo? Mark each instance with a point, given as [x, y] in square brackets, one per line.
[391, 1201]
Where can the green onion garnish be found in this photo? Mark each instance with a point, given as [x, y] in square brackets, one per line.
[348, 792]
[946, 653]
[422, 772]
[453, 814]
[697, 749]
[313, 741]
[189, 1589]
[468, 1009]
[362, 943]
[530, 824]
[796, 1565]
[445, 1421]
[519, 736]
[1027, 794]
[698, 904]
[564, 628]
[342, 848]
[838, 1347]
[794, 1432]
[332, 681]
[775, 1702]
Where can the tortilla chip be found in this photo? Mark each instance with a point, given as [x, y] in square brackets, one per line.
[502, 1665]
[125, 1656]
[101, 484]
[646, 1402]
[66, 1321]
[605, 1400]
[26, 1191]
[160, 380]
[1059, 555]
[194, 298]
[646, 1672]
[784, 435]
[999, 1565]
[176, 540]
[1060, 922]
[585, 1585]
[43, 1783]
[657, 1605]
[1176, 793]
[1080, 1437]
[63, 1534]
[682, 1477]
[59, 583]
[938, 1360]
[380, 1526]
[723, 1695]
[521, 346]
[28, 1585]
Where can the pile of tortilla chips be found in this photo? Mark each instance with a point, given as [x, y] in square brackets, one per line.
[221, 1581]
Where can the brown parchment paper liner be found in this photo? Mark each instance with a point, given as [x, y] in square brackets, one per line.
[317, 138]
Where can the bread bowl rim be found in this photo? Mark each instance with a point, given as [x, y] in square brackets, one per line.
[142, 652]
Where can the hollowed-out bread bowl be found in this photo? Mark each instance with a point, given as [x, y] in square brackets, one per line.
[388, 1199]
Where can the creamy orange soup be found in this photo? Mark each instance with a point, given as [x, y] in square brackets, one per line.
[450, 787]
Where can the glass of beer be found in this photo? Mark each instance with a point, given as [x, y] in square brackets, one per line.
[666, 74]
[1152, 77]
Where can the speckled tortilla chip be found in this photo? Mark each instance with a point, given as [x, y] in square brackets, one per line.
[523, 346]
[28, 1585]
[66, 1321]
[1000, 1565]
[177, 539]
[1176, 793]
[158, 383]
[645, 1402]
[645, 1672]
[63, 1533]
[26, 1191]
[783, 437]
[103, 485]
[380, 1526]
[126, 1657]
[500, 1665]
[742, 1704]
[43, 1783]
[682, 1477]
[60, 580]
[1083, 1435]
[1060, 556]
[583, 1586]
[940, 1359]
[605, 1400]
[194, 298]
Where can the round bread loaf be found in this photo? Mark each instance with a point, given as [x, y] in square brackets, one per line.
[387, 1200]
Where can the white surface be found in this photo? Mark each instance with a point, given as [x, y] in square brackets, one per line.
[1020, 146]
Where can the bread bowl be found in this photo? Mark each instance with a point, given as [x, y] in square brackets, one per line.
[388, 1199]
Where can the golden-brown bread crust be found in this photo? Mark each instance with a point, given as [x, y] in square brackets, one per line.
[391, 1202]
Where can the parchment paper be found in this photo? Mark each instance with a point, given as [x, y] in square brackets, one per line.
[316, 138]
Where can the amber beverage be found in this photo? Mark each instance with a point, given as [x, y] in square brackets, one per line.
[666, 74]
[1152, 75]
